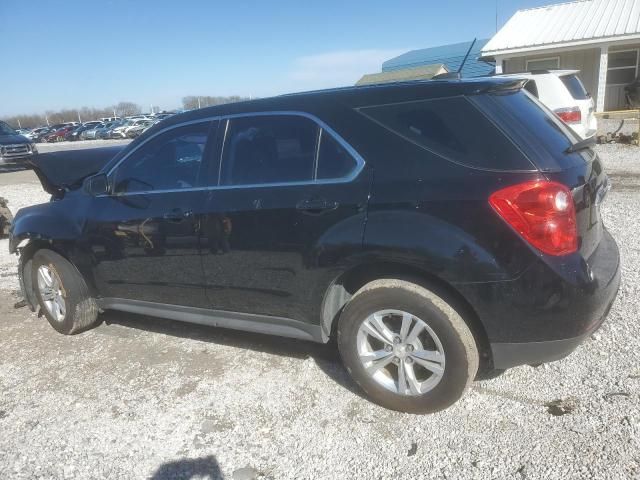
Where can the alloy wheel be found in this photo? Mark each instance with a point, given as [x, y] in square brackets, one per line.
[51, 292]
[400, 352]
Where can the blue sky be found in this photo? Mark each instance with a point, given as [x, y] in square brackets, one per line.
[99, 52]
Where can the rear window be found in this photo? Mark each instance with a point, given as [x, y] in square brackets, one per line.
[540, 133]
[575, 87]
[452, 128]
[532, 88]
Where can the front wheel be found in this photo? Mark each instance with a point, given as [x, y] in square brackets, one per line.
[62, 293]
[406, 347]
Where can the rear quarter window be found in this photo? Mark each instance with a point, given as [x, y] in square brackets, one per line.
[452, 128]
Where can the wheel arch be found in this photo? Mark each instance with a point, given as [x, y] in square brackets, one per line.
[348, 283]
[28, 246]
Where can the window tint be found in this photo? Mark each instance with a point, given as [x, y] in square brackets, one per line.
[333, 160]
[575, 87]
[532, 88]
[269, 149]
[452, 128]
[170, 161]
[539, 131]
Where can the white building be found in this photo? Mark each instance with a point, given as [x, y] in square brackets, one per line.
[601, 38]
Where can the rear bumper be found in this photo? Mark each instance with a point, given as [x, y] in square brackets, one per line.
[540, 316]
[507, 355]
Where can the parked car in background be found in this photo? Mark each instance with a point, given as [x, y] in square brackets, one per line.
[59, 134]
[110, 119]
[434, 229]
[139, 128]
[37, 134]
[111, 131]
[104, 131]
[75, 133]
[562, 92]
[122, 131]
[23, 131]
[90, 134]
[15, 149]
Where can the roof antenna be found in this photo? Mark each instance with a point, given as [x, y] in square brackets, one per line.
[456, 75]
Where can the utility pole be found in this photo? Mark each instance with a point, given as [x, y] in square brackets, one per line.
[79, 119]
[198, 102]
[19, 126]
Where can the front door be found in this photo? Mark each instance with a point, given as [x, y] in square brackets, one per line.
[289, 196]
[145, 235]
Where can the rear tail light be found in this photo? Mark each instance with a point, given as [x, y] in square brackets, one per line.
[542, 212]
[569, 115]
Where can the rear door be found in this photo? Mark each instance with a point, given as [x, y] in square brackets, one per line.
[288, 197]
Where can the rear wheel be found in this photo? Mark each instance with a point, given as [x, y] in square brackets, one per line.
[406, 347]
[62, 293]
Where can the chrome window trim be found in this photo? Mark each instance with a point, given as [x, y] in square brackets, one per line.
[360, 163]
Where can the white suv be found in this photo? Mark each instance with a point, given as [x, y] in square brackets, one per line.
[563, 92]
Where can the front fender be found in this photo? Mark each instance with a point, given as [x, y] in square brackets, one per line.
[48, 222]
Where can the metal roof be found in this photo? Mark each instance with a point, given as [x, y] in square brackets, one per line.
[426, 72]
[449, 55]
[567, 24]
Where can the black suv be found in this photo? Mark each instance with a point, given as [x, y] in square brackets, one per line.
[15, 149]
[436, 230]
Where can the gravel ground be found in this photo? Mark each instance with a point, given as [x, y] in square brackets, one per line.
[610, 125]
[146, 398]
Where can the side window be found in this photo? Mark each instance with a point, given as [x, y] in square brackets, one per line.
[333, 160]
[532, 88]
[170, 161]
[269, 149]
[453, 128]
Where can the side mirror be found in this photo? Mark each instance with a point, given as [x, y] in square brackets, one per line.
[97, 185]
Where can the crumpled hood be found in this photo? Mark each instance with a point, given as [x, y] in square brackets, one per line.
[13, 139]
[59, 171]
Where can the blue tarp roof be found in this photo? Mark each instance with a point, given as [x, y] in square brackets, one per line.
[450, 55]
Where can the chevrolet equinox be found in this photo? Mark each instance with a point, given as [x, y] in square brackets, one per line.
[436, 230]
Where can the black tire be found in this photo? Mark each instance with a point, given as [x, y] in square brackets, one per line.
[457, 341]
[81, 309]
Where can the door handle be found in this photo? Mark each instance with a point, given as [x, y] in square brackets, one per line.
[316, 206]
[177, 215]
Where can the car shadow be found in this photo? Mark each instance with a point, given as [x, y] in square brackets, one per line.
[205, 468]
[326, 356]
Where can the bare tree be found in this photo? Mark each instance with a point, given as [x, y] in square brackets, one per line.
[124, 109]
[192, 102]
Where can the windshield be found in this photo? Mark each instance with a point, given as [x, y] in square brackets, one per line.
[6, 129]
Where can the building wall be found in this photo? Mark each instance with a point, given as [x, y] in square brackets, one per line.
[585, 60]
